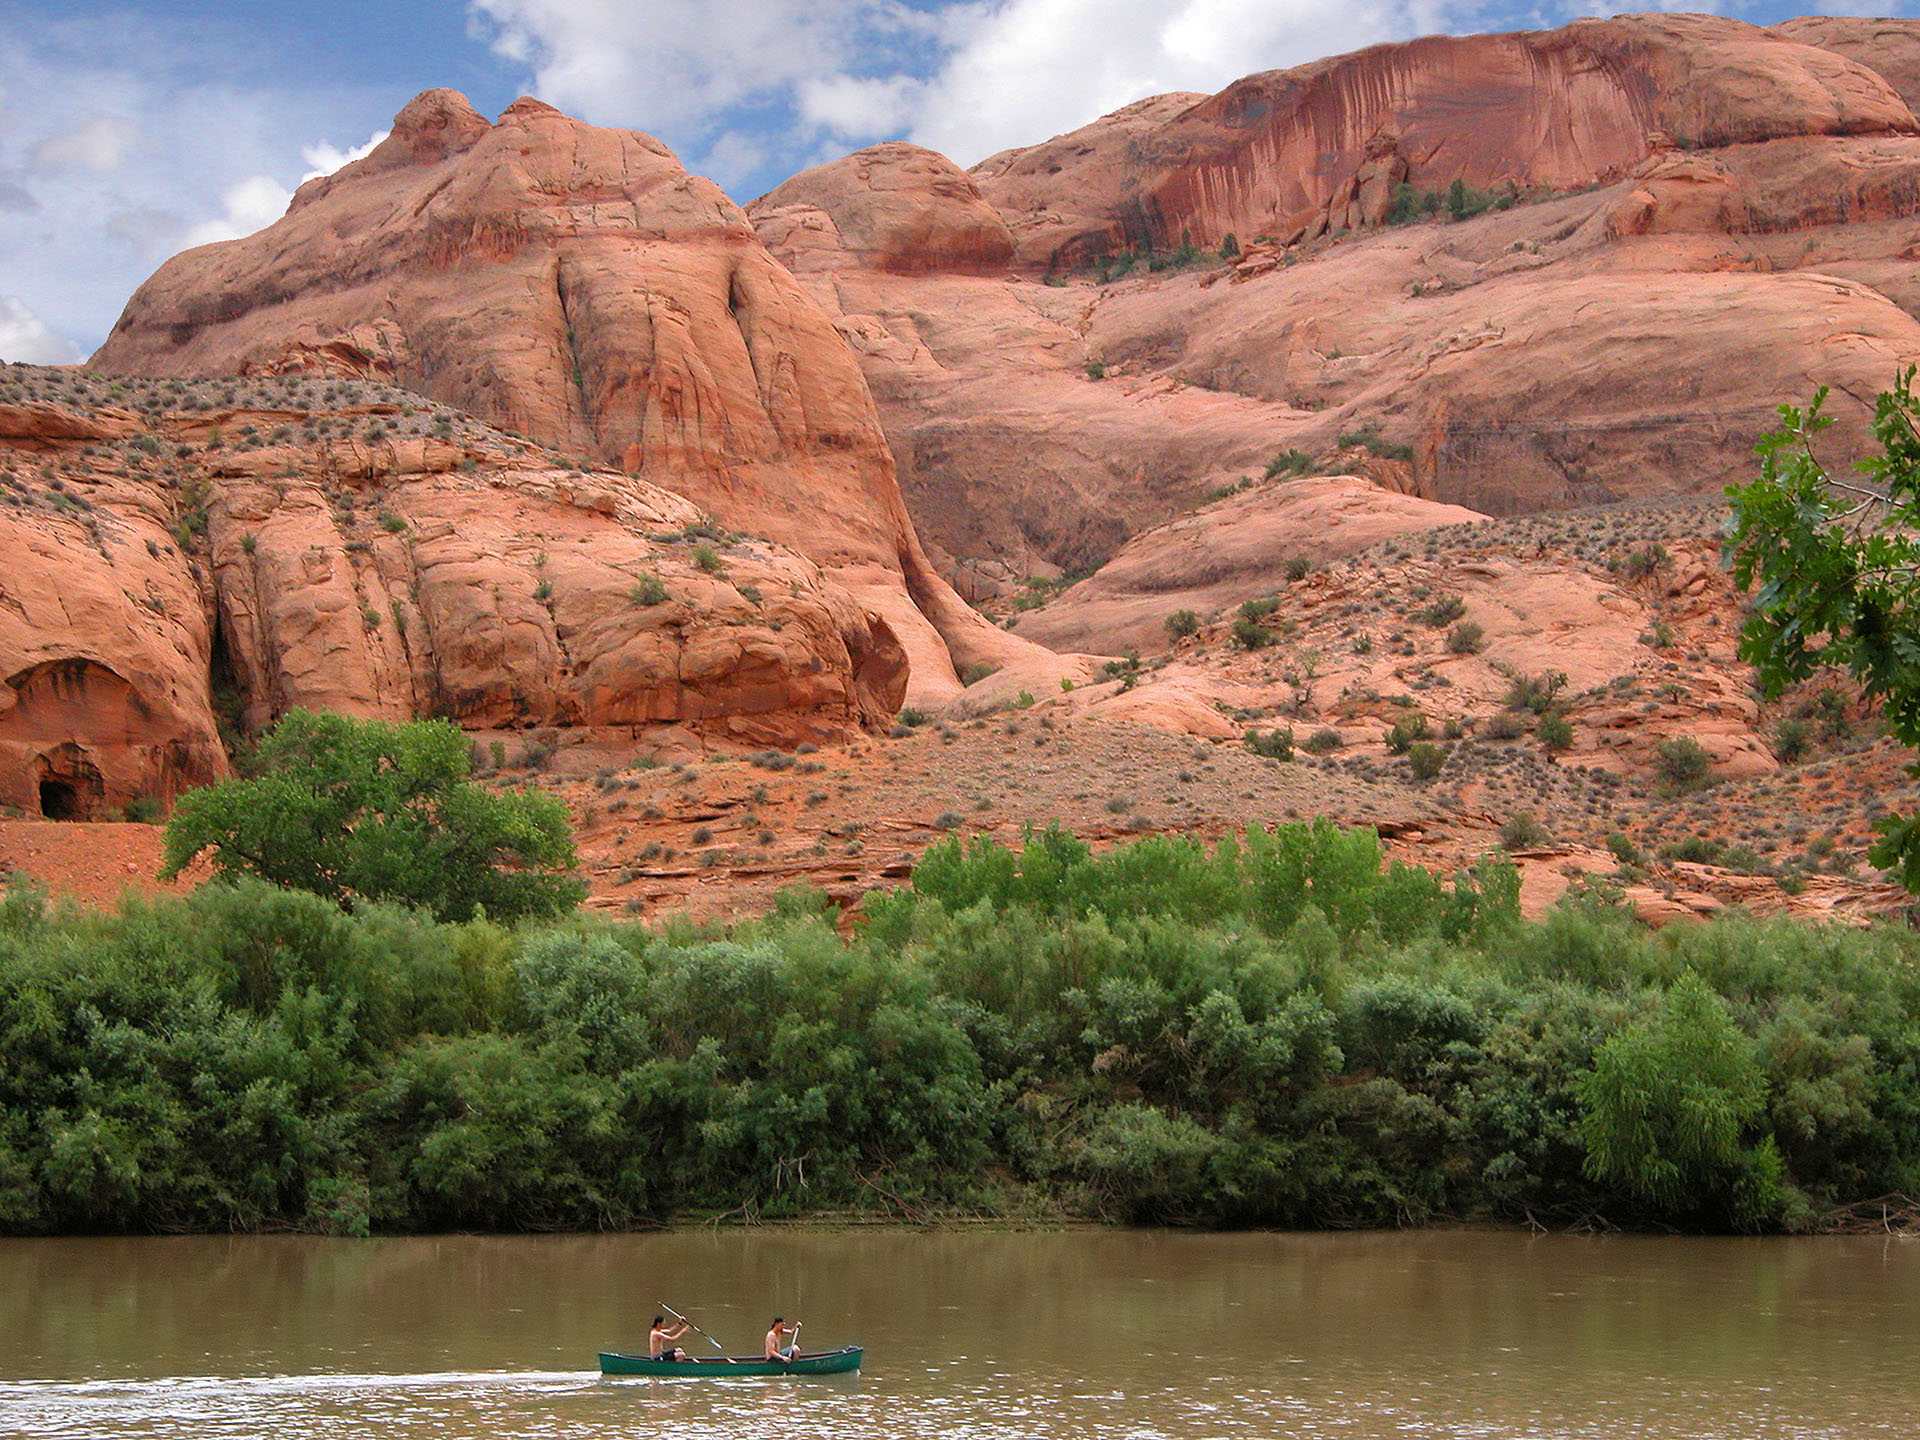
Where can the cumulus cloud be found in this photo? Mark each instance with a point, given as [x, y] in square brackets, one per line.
[729, 78]
[24, 337]
[857, 107]
[325, 157]
[100, 142]
[696, 70]
[1023, 70]
[252, 204]
[257, 201]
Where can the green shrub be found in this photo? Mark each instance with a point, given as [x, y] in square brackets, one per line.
[1466, 638]
[1523, 831]
[1368, 438]
[1554, 732]
[1182, 623]
[1442, 612]
[1682, 762]
[1425, 759]
[1623, 849]
[1645, 560]
[1323, 741]
[1276, 744]
[1792, 740]
[1404, 732]
[1671, 1114]
[1250, 634]
[647, 591]
[1535, 692]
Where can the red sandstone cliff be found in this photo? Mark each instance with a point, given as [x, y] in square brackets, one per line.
[187, 555]
[1321, 146]
[574, 283]
[1624, 331]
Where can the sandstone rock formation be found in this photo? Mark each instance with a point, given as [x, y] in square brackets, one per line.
[575, 284]
[894, 207]
[1702, 220]
[1249, 543]
[185, 556]
[1559, 109]
[1889, 48]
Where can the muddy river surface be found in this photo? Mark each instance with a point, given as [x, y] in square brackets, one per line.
[1075, 1334]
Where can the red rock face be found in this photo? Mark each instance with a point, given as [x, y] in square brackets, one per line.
[574, 284]
[1754, 238]
[1889, 48]
[1293, 152]
[897, 207]
[242, 549]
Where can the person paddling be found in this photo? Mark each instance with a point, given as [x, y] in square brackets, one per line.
[660, 1341]
[776, 1350]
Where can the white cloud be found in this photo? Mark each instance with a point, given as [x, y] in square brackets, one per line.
[694, 68]
[732, 160]
[257, 201]
[100, 142]
[252, 204]
[737, 82]
[1024, 70]
[24, 337]
[326, 157]
[856, 108]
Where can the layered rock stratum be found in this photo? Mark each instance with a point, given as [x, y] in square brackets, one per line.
[1334, 341]
[574, 284]
[1681, 222]
[190, 561]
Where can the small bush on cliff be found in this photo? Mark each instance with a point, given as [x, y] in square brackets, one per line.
[1682, 763]
[362, 809]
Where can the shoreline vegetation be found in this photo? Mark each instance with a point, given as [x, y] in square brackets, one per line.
[1280, 1031]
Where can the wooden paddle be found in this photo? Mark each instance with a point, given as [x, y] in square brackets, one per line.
[695, 1328]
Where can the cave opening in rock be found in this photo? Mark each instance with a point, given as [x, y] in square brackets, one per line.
[58, 800]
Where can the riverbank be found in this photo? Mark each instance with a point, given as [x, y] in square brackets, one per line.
[1280, 1031]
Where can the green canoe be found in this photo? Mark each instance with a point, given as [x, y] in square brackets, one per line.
[824, 1362]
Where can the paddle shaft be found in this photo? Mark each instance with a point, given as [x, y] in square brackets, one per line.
[696, 1329]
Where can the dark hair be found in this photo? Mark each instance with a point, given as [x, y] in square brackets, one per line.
[779, 1319]
[658, 1321]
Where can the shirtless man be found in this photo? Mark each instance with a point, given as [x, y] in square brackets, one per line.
[660, 1341]
[779, 1332]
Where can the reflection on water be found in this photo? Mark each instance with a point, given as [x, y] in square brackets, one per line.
[1097, 1334]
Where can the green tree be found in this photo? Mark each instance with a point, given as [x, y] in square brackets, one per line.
[364, 809]
[1835, 568]
[1666, 1105]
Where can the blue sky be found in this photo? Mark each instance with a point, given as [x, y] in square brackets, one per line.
[131, 130]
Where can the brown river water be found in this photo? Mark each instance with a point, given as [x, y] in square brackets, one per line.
[1132, 1335]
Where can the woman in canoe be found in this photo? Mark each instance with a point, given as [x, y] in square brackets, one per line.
[660, 1342]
